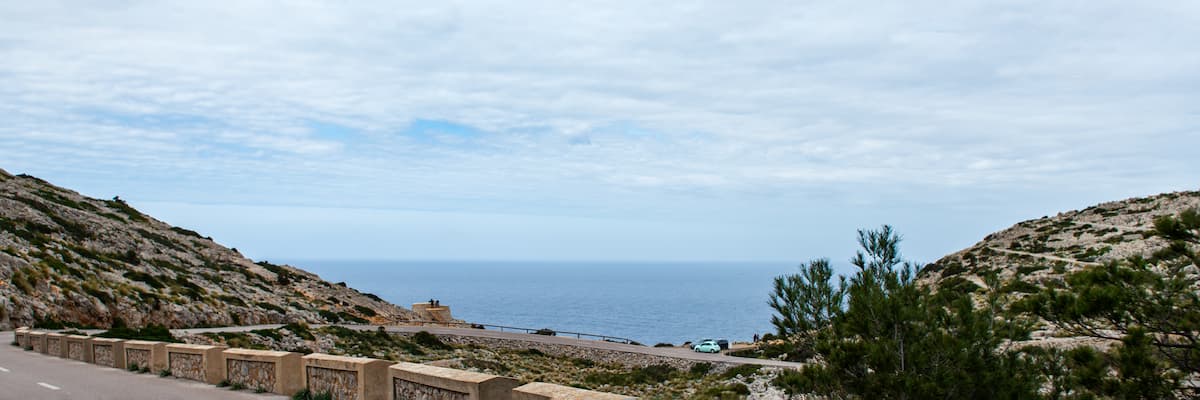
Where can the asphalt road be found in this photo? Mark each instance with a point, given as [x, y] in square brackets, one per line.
[29, 375]
[674, 352]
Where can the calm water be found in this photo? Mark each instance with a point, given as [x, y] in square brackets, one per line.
[647, 302]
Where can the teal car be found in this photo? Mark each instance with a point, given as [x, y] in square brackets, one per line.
[707, 346]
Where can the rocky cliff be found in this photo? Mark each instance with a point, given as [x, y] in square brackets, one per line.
[67, 258]
[1038, 253]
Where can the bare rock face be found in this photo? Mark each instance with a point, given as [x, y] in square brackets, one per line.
[1039, 253]
[67, 258]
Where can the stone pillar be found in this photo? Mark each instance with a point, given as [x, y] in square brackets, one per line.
[346, 378]
[37, 341]
[55, 345]
[418, 381]
[108, 352]
[196, 362]
[78, 348]
[274, 371]
[146, 354]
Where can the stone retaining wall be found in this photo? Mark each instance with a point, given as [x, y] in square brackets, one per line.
[346, 378]
[145, 354]
[108, 352]
[196, 362]
[273, 371]
[418, 381]
[548, 391]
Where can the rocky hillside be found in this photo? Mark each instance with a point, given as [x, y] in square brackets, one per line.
[1037, 253]
[67, 258]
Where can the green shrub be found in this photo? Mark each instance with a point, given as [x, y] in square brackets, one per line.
[700, 369]
[429, 340]
[164, 373]
[743, 370]
[225, 383]
[157, 333]
[300, 329]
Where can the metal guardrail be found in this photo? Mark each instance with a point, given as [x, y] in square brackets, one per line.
[542, 331]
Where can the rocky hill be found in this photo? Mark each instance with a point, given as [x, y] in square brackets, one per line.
[66, 258]
[1037, 253]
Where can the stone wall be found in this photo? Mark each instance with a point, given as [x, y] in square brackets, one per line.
[75, 350]
[405, 390]
[39, 341]
[138, 357]
[252, 374]
[103, 354]
[343, 385]
[187, 366]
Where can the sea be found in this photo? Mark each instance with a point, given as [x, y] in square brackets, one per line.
[648, 302]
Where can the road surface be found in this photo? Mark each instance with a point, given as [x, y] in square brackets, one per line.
[30, 375]
[674, 352]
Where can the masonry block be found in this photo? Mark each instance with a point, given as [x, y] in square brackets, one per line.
[274, 371]
[108, 352]
[196, 362]
[145, 354]
[37, 340]
[78, 348]
[55, 345]
[417, 381]
[346, 378]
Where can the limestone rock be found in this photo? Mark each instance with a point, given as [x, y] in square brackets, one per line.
[68, 258]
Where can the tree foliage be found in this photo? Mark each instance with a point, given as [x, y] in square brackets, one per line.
[894, 339]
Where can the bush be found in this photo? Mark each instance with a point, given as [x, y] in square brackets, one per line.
[225, 383]
[546, 332]
[164, 373]
[644, 375]
[156, 333]
[700, 369]
[664, 345]
[429, 340]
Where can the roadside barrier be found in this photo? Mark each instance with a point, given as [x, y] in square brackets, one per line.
[286, 373]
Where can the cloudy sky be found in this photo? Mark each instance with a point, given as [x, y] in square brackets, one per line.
[600, 131]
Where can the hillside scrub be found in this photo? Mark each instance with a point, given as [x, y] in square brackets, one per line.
[878, 334]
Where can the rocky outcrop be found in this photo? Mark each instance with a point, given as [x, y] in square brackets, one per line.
[67, 258]
[1040, 252]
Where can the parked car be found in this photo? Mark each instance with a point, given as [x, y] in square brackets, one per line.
[707, 346]
[724, 344]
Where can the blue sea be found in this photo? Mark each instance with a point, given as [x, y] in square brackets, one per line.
[647, 302]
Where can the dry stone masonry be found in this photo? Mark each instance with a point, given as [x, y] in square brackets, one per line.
[270, 371]
[339, 383]
[187, 366]
[196, 362]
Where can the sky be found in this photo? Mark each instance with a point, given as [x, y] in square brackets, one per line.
[610, 130]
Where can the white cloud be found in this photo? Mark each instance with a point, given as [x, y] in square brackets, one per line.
[603, 107]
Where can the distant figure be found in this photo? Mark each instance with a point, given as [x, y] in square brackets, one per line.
[431, 303]
[755, 338]
[437, 303]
